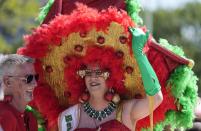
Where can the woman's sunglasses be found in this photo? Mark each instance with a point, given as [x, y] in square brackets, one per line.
[28, 78]
[98, 73]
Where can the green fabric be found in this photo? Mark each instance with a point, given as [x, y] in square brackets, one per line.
[44, 11]
[149, 78]
[38, 116]
[133, 8]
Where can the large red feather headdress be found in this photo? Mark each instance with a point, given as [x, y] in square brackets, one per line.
[69, 42]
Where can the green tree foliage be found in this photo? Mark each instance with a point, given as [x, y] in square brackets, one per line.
[4, 47]
[181, 26]
[16, 18]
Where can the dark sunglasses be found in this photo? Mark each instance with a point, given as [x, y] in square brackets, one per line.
[28, 78]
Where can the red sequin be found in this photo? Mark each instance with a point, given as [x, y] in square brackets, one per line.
[100, 39]
[48, 69]
[83, 34]
[78, 48]
[123, 39]
[119, 54]
[129, 69]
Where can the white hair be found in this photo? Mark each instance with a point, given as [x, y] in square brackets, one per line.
[1, 87]
[7, 62]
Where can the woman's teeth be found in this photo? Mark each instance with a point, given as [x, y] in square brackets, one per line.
[94, 84]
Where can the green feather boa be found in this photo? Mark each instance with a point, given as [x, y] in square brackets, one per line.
[133, 8]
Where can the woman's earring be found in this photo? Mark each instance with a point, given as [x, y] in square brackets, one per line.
[109, 94]
[84, 97]
[112, 96]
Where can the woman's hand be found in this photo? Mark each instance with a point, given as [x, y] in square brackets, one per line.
[139, 39]
[149, 78]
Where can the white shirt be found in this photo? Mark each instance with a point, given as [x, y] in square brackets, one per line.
[73, 114]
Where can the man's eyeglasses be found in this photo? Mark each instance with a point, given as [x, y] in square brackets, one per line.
[28, 78]
[98, 73]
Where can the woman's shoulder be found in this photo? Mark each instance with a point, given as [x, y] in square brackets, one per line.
[72, 111]
[69, 118]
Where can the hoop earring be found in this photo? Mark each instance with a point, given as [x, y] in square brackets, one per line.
[112, 96]
[109, 94]
[84, 97]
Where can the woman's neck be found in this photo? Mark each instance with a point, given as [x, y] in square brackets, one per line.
[98, 102]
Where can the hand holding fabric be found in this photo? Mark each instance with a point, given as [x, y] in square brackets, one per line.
[149, 78]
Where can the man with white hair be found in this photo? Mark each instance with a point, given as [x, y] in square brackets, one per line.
[18, 79]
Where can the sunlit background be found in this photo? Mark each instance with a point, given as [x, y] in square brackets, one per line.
[178, 21]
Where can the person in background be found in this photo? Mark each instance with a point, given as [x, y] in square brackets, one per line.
[18, 80]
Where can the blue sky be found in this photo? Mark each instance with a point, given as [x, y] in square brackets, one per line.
[165, 4]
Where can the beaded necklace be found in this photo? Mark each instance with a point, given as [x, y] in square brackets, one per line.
[99, 115]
